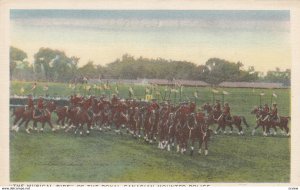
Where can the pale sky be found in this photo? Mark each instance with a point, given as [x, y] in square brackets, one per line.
[256, 38]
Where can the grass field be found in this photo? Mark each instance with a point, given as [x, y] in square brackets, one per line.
[107, 157]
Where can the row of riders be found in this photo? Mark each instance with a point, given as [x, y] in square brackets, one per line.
[166, 123]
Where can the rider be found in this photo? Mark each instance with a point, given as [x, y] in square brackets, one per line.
[154, 104]
[114, 99]
[274, 113]
[40, 107]
[226, 112]
[192, 107]
[266, 110]
[217, 106]
[30, 104]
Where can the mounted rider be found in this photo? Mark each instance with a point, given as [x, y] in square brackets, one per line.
[266, 111]
[39, 111]
[192, 107]
[30, 104]
[274, 113]
[217, 106]
[226, 112]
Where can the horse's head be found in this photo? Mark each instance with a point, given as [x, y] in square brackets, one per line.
[255, 110]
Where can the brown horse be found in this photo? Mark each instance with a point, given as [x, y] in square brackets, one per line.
[201, 133]
[18, 114]
[46, 118]
[235, 120]
[163, 129]
[264, 120]
[30, 115]
[120, 118]
[21, 114]
[83, 117]
[62, 115]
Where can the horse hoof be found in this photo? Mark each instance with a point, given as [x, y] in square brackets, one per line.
[216, 132]
[200, 151]
[206, 152]
[27, 130]
[169, 148]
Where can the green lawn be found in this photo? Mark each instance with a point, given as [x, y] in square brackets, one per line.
[107, 157]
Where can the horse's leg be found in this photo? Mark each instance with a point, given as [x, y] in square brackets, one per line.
[275, 130]
[231, 128]
[35, 125]
[217, 130]
[43, 125]
[267, 130]
[240, 129]
[88, 126]
[81, 129]
[50, 124]
[15, 126]
[206, 145]
[26, 126]
[192, 146]
[57, 121]
[200, 144]
[253, 131]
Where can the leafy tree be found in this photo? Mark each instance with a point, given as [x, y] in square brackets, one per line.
[17, 57]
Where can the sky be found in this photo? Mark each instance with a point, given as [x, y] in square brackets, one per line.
[259, 38]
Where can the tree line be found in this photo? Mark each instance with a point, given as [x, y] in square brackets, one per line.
[55, 66]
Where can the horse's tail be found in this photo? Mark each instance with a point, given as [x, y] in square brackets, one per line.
[244, 121]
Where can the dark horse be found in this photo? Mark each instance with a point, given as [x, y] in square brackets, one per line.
[218, 118]
[264, 120]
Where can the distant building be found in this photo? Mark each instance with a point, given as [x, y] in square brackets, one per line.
[252, 85]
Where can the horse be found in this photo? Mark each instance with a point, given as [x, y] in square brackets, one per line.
[181, 128]
[261, 120]
[45, 118]
[62, 115]
[235, 120]
[30, 114]
[163, 128]
[120, 118]
[83, 117]
[22, 115]
[264, 120]
[18, 114]
[133, 114]
[200, 132]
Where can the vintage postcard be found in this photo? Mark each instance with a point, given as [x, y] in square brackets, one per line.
[153, 92]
